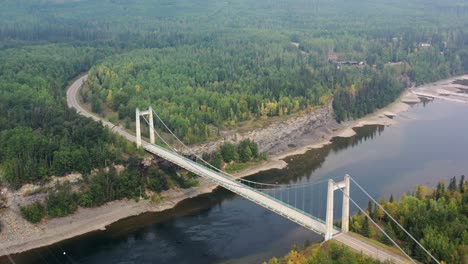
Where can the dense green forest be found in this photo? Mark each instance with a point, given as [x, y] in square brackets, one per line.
[204, 65]
[39, 136]
[436, 217]
[244, 73]
[195, 87]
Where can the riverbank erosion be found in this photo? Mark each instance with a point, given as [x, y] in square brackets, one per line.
[288, 137]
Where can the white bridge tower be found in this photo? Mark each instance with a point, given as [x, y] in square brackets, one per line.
[332, 186]
[139, 113]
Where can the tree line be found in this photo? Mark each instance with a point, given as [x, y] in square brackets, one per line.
[436, 217]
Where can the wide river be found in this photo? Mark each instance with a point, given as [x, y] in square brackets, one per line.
[429, 143]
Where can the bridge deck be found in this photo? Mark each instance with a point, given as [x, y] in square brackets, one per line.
[283, 209]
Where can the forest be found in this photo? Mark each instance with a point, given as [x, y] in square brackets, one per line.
[437, 217]
[204, 66]
[241, 75]
[39, 136]
[134, 182]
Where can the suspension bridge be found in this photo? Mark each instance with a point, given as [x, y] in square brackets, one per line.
[283, 199]
[240, 187]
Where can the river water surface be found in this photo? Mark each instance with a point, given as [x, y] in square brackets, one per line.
[429, 143]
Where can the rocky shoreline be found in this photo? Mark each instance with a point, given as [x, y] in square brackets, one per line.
[293, 136]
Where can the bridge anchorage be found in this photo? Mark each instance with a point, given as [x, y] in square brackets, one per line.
[276, 197]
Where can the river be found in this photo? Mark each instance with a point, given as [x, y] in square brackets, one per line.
[428, 143]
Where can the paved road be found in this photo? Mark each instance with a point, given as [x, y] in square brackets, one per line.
[368, 249]
[72, 102]
[234, 186]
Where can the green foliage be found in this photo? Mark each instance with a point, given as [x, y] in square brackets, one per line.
[186, 183]
[437, 218]
[236, 167]
[239, 77]
[235, 79]
[108, 186]
[157, 181]
[62, 201]
[329, 253]
[377, 90]
[103, 187]
[34, 212]
[217, 160]
[241, 156]
[39, 135]
[229, 152]
[244, 152]
[247, 150]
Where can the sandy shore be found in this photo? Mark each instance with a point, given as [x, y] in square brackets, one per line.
[444, 90]
[19, 235]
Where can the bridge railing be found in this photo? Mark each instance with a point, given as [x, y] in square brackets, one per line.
[234, 183]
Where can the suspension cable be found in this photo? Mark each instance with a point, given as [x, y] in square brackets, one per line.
[221, 171]
[190, 164]
[395, 221]
[375, 223]
[239, 185]
[292, 186]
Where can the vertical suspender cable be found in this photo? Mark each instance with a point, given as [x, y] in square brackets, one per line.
[364, 212]
[393, 219]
